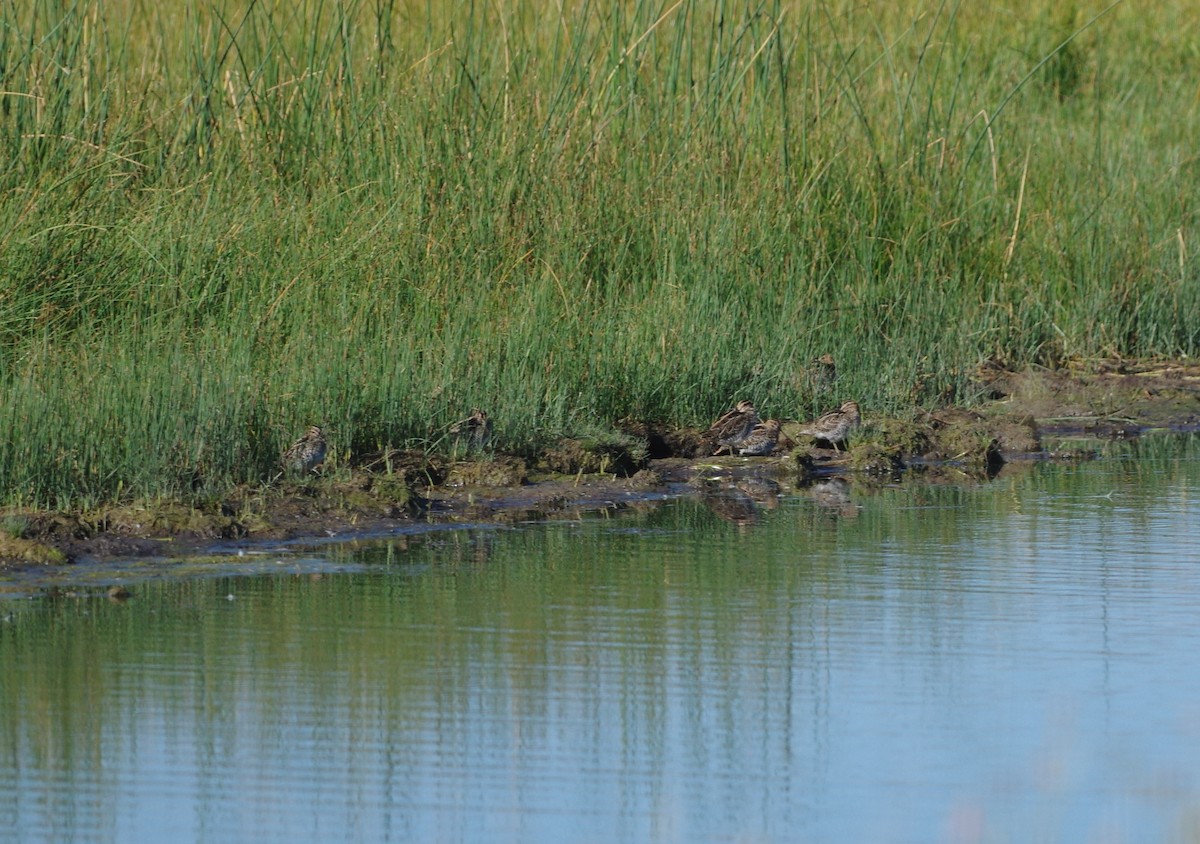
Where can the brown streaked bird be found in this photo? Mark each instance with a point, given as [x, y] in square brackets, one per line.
[834, 426]
[761, 440]
[733, 426]
[306, 453]
[822, 373]
[475, 431]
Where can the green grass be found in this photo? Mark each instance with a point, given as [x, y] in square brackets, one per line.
[375, 215]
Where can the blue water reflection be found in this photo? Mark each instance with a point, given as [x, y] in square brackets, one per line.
[1016, 660]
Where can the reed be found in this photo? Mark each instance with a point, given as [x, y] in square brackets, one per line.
[222, 223]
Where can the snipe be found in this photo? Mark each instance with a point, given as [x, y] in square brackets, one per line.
[732, 427]
[761, 440]
[306, 453]
[834, 426]
[475, 431]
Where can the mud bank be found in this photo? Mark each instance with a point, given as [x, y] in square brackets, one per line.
[1009, 419]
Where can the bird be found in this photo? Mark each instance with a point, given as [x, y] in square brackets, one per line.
[825, 372]
[475, 430]
[733, 426]
[761, 440]
[306, 453]
[834, 426]
[821, 373]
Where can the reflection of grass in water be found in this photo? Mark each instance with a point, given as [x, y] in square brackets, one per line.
[475, 599]
[327, 217]
[1150, 448]
[1159, 449]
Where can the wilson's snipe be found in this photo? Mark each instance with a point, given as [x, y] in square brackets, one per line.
[835, 426]
[733, 426]
[475, 431]
[306, 453]
[823, 373]
[761, 440]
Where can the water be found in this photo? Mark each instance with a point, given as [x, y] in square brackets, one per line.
[1010, 661]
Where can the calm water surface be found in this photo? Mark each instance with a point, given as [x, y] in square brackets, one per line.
[1016, 660]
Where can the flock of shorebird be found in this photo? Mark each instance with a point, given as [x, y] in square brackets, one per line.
[738, 430]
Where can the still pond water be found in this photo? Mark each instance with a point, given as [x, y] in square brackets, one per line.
[1016, 660]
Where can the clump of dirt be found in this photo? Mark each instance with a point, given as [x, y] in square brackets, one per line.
[16, 549]
[969, 440]
[51, 527]
[616, 454]
[164, 518]
[662, 441]
[366, 496]
[413, 468]
[877, 459]
[335, 503]
[906, 436]
[501, 471]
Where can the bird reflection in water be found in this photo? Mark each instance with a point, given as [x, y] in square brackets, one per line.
[742, 501]
[832, 495]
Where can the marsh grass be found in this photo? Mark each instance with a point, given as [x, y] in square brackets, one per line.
[223, 222]
[14, 527]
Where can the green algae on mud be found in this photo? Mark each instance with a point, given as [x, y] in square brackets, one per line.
[381, 489]
[20, 550]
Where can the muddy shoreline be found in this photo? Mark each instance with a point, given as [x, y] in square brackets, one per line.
[1013, 414]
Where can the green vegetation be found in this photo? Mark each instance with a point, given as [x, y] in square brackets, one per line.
[13, 526]
[222, 222]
